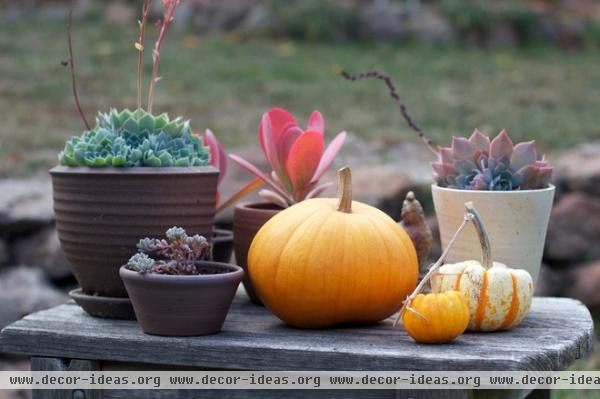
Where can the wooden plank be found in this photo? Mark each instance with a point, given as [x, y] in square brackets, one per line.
[556, 333]
[54, 364]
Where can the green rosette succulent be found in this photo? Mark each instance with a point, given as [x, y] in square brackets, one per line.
[138, 138]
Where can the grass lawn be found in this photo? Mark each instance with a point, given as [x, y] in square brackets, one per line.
[226, 82]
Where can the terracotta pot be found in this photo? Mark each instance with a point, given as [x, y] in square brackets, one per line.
[183, 305]
[222, 245]
[102, 213]
[516, 222]
[248, 218]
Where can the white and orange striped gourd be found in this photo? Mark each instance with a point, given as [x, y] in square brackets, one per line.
[499, 297]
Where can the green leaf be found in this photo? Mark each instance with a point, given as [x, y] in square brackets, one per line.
[182, 162]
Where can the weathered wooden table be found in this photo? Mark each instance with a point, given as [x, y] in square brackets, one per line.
[554, 334]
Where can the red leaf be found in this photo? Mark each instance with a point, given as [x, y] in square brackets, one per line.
[288, 138]
[256, 172]
[247, 189]
[279, 120]
[329, 155]
[218, 158]
[303, 159]
[315, 192]
[316, 122]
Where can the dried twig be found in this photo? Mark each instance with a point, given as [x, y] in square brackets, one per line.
[389, 82]
[72, 65]
[170, 7]
[139, 45]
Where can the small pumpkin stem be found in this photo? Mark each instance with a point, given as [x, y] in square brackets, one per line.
[432, 269]
[345, 190]
[484, 240]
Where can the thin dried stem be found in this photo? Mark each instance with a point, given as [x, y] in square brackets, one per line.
[167, 19]
[140, 47]
[72, 65]
[432, 270]
[389, 82]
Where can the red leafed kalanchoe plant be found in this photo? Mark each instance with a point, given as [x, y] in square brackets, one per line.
[497, 165]
[297, 156]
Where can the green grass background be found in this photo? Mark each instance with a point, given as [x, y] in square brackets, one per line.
[226, 82]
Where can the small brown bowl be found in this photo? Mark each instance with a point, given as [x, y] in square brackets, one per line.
[183, 305]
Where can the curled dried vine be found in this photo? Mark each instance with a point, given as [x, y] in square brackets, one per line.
[389, 82]
[71, 64]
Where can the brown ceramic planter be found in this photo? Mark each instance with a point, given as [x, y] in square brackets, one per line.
[222, 245]
[101, 214]
[182, 305]
[248, 218]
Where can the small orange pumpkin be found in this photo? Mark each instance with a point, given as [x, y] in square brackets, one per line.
[436, 318]
[324, 262]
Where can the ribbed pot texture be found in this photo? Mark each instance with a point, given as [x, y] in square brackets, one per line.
[182, 305]
[101, 214]
[516, 223]
[248, 218]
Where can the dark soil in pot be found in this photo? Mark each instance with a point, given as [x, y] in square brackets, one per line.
[248, 218]
[222, 245]
[101, 214]
[183, 305]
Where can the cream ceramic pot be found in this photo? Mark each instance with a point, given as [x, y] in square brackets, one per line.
[516, 222]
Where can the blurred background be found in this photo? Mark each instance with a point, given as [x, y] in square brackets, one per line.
[530, 66]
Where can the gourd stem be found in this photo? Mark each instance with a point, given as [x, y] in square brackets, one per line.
[486, 248]
[345, 190]
[469, 216]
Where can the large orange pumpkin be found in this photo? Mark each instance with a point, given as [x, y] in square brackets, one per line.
[326, 261]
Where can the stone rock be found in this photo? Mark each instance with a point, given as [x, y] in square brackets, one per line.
[428, 26]
[384, 21]
[574, 229]
[551, 282]
[583, 284]
[25, 205]
[579, 169]
[258, 19]
[221, 15]
[43, 250]
[24, 290]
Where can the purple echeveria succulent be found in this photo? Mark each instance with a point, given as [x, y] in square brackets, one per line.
[177, 254]
[497, 165]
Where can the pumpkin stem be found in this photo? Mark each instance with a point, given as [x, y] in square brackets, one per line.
[345, 190]
[486, 248]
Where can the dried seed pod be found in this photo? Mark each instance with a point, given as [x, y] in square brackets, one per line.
[413, 222]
